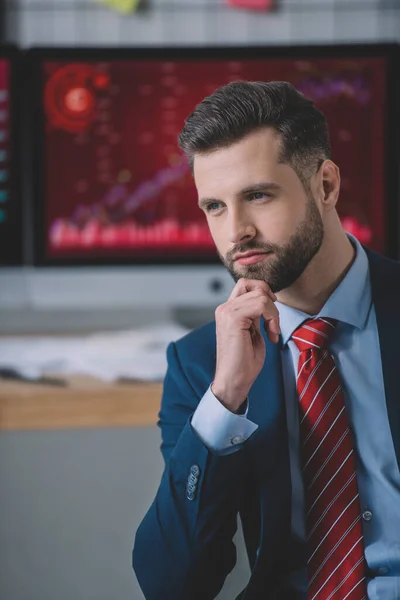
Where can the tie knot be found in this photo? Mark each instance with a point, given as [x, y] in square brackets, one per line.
[314, 333]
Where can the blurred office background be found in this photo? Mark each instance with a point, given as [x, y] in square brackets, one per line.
[174, 22]
[79, 448]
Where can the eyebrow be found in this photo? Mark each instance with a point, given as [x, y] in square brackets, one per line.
[256, 187]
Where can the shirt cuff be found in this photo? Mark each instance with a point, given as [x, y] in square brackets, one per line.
[221, 430]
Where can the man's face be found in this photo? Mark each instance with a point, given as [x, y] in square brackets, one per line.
[253, 203]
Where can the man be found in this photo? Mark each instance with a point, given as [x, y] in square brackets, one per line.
[286, 409]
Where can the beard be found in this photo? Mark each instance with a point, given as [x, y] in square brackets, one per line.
[289, 260]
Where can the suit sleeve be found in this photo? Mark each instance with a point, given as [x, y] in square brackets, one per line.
[183, 547]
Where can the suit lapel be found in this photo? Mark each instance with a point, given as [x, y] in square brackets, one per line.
[266, 402]
[385, 284]
[268, 451]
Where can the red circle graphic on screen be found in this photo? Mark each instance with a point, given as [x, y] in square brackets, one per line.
[69, 98]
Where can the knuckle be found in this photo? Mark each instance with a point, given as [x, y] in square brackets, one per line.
[266, 285]
[220, 309]
[260, 292]
[261, 283]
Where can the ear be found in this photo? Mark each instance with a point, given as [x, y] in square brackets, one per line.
[329, 184]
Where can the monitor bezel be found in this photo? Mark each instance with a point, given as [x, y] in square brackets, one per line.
[12, 54]
[35, 56]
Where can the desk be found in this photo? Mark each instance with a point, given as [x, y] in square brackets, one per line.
[86, 402]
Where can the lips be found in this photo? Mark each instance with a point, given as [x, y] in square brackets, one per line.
[251, 259]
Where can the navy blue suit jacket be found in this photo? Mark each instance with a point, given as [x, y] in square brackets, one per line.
[183, 548]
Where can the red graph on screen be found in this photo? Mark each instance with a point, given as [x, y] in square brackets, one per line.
[117, 185]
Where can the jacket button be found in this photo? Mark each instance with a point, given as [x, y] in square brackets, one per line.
[191, 488]
[190, 495]
[195, 470]
[192, 479]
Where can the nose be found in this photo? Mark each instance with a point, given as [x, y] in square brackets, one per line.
[240, 228]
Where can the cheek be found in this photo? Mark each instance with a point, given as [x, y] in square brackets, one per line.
[217, 233]
[278, 224]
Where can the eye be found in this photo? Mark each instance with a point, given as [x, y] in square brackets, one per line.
[259, 196]
[213, 206]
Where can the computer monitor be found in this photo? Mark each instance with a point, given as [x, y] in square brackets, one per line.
[11, 238]
[112, 188]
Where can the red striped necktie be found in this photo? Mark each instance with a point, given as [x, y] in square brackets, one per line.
[335, 548]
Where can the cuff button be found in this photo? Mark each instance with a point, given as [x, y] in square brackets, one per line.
[237, 439]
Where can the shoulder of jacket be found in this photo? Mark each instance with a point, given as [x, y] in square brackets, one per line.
[201, 338]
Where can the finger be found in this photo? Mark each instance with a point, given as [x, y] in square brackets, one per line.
[255, 306]
[272, 328]
[244, 286]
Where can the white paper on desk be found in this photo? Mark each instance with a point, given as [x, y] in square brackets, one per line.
[135, 354]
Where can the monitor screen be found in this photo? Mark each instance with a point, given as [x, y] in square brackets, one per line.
[112, 185]
[10, 208]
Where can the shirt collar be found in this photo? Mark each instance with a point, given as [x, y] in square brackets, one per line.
[350, 302]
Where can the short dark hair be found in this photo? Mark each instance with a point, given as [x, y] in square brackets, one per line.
[239, 108]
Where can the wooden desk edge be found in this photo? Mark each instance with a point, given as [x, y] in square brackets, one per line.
[85, 403]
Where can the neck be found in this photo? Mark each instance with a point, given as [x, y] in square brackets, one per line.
[322, 275]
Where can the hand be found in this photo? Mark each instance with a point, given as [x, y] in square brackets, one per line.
[240, 346]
